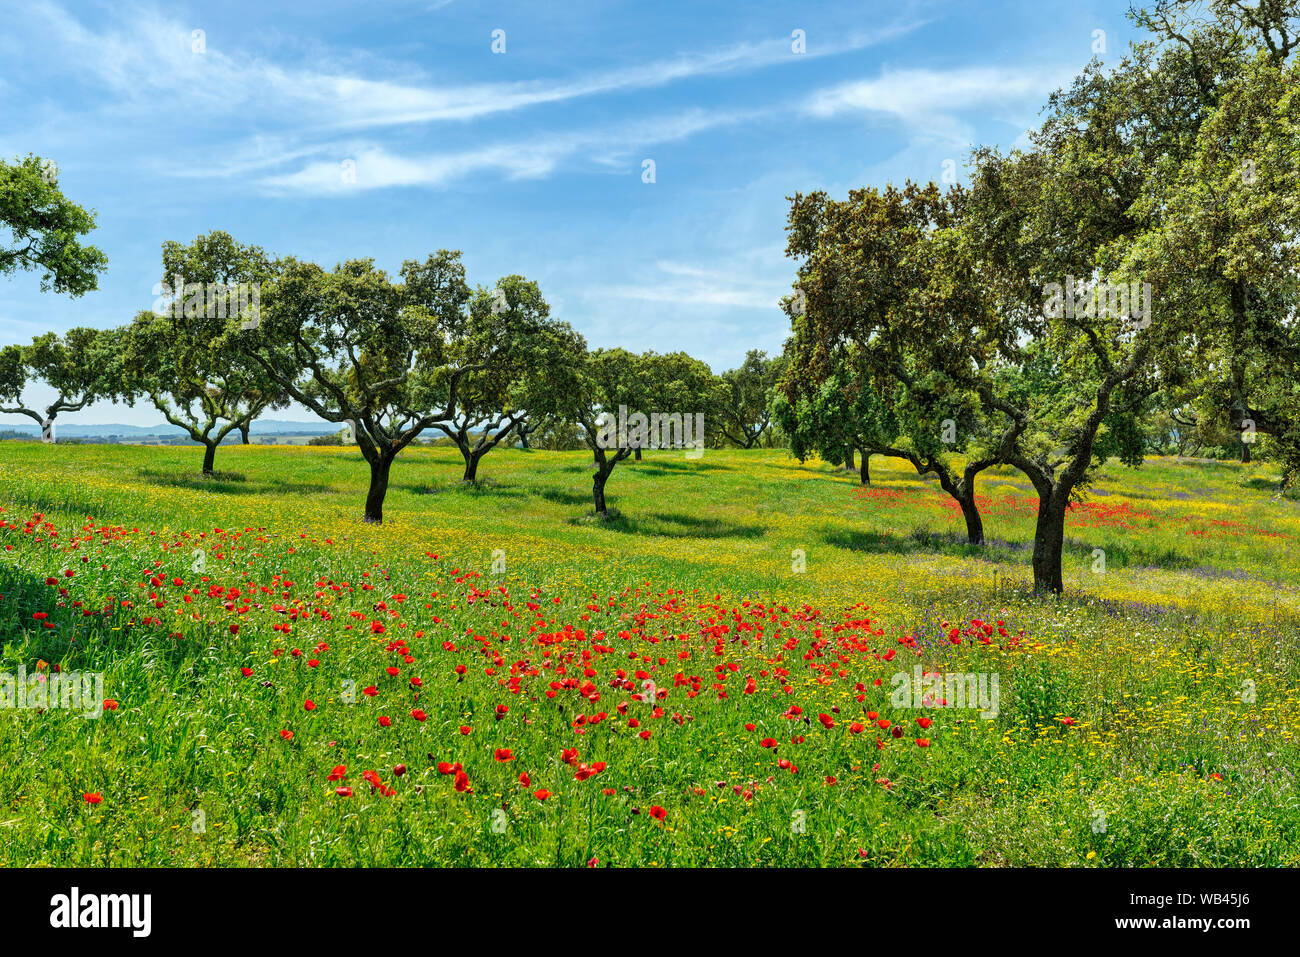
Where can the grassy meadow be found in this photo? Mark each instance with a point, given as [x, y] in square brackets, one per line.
[492, 678]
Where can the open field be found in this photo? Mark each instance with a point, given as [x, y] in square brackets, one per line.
[1148, 717]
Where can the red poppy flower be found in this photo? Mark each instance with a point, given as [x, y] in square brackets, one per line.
[94, 797]
[309, 705]
[657, 812]
[541, 794]
[503, 754]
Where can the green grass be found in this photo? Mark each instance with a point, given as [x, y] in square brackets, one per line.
[1147, 717]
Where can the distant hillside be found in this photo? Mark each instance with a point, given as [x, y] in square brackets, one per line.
[165, 430]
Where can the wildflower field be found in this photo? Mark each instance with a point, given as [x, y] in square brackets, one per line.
[489, 678]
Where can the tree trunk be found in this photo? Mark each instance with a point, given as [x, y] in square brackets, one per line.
[864, 473]
[1245, 453]
[638, 453]
[849, 466]
[471, 464]
[209, 456]
[974, 524]
[379, 469]
[1049, 538]
[963, 493]
[243, 434]
[598, 490]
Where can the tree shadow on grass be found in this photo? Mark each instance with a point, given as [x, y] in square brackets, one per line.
[678, 525]
[1136, 554]
[483, 488]
[921, 540]
[659, 466]
[230, 483]
[563, 496]
[578, 467]
[1074, 551]
[1260, 484]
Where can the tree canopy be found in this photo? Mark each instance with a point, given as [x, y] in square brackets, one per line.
[45, 227]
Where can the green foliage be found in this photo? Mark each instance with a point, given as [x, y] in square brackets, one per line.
[357, 348]
[176, 354]
[743, 410]
[521, 365]
[45, 226]
[80, 366]
[836, 416]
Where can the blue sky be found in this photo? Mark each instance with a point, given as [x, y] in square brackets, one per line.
[529, 160]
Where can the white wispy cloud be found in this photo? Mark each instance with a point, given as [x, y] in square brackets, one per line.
[153, 65]
[932, 101]
[154, 59]
[741, 286]
[920, 93]
[370, 166]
